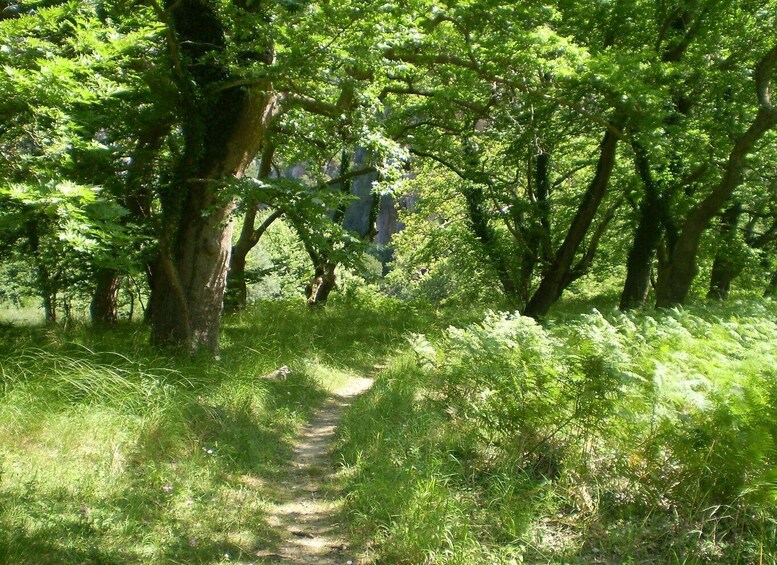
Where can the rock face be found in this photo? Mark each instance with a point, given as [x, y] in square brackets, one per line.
[358, 216]
[387, 223]
[373, 216]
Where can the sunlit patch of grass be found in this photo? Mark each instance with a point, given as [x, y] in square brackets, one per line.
[329, 377]
[25, 314]
[114, 452]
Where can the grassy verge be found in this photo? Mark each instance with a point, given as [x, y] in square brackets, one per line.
[645, 438]
[112, 452]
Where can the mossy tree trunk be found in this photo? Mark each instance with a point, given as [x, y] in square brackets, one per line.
[646, 237]
[726, 265]
[771, 286]
[538, 246]
[486, 235]
[223, 127]
[676, 277]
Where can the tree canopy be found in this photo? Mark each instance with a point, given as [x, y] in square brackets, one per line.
[535, 143]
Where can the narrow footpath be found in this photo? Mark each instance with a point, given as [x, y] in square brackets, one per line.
[309, 516]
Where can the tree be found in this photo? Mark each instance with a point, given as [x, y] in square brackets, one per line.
[482, 127]
[677, 275]
[65, 142]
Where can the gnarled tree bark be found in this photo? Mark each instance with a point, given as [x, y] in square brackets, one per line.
[223, 127]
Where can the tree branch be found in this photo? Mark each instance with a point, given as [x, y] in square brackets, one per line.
[311, 104]
[443, 162]
[763, 77]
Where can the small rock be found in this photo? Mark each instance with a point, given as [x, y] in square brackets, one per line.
[278, 374]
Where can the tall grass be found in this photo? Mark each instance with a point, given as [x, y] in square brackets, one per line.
[594, 438]
[113, 452]
[643, 438]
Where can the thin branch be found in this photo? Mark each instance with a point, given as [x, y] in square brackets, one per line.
[570, 173]
[172, 42]
[587, 259]
[411, 91]
[352, 174]
[311, 104]
[265, 225]
[443, 162]
[763, 77]
[690, 178]
[393, 54]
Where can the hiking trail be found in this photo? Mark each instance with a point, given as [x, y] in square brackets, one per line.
[308, 518]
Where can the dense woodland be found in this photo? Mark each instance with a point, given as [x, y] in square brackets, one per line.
[551, 226]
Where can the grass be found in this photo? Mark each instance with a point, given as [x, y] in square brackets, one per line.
[646, 438]
[113, 452]
[26, 313]
[595, 438]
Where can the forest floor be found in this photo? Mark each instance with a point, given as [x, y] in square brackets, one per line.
[662, 424]
[308, 516]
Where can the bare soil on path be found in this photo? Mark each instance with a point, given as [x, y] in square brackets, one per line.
[308, 517]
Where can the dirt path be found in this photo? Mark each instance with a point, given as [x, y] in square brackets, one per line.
[308, 518]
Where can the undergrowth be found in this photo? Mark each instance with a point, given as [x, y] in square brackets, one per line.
[593, 438]
[113, 452]
[617, 438]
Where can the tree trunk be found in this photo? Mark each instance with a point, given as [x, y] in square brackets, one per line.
[560, 273]
[189, 287]
[771, 286]
[236, 296]
[50, 307]
[351, 181]
[104, 308]
[646, 237]
[47, 286]
[675, 280]
[139, 197]
[726, 266]
[723, 272]
[537, 239]
[484, 232]
[322, 284]
[222, 130]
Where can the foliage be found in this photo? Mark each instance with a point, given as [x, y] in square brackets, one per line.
[535, 144]
[77, 91]
[436, 257]
[598, 438]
